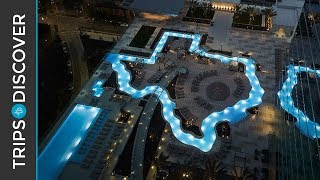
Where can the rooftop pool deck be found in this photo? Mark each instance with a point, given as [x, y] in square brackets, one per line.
[67, 138]
[306, 125]
[65, 142]
[232, 114]
[72, 131]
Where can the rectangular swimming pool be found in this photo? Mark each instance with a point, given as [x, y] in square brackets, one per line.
[65, 141]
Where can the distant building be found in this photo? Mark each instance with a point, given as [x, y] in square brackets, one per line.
[108, 8]
[227, 5]
[261, 2]
[162, 7]
[287, 18]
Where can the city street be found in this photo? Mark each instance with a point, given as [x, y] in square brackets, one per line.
[69, 31]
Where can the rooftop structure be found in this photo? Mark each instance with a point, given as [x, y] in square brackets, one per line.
[288, 14]
[163, 7]
[158, 74]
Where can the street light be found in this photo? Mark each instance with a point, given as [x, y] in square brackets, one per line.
[186, 174]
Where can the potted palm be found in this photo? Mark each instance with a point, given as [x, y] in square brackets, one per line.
[192, 4]
[252, 11]
[269, 13]
[213, 169]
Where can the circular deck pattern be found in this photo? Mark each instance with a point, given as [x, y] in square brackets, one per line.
[232, 114]
[218, 91]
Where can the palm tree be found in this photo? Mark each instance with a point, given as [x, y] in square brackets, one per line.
[159, 162]
[188, 122]
[188, 170]
[192, 5]
[242, 173]
[252, 11]
[269, 13]
[209, 3]
[207, 6]
[312, 15]
[213, 169]
[237, 8]
[204, 6]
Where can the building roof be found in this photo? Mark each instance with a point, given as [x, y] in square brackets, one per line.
[287, 16]
[314, 8]
[291, 3]
[224, 1]
[164, 7]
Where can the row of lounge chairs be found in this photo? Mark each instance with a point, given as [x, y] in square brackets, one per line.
[187, 114]
[96, 146]
[203, 103]
[206, 74]
[179, 89]
[91, 149]
[278, 64]
[105, 152]
[200, 77]
[156, 76]
[240, 87]
[179, 93]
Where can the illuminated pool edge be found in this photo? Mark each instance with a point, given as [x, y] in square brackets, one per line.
[308, 127]
[232, 114]
[97, 88]
[65, 141]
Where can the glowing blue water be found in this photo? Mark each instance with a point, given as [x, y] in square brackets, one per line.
[97, 88]
[307, 126]
[65, 141]
[232, 114]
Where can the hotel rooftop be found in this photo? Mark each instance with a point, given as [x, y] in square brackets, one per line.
[181, 92]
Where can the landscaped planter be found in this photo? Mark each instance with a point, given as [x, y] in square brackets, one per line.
[249, 26]
[142, 37]
[228, 53]
[242, 20]
[198, 15]
[196, 20]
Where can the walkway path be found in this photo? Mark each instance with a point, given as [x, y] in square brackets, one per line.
[137, 160]
[222, 24]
